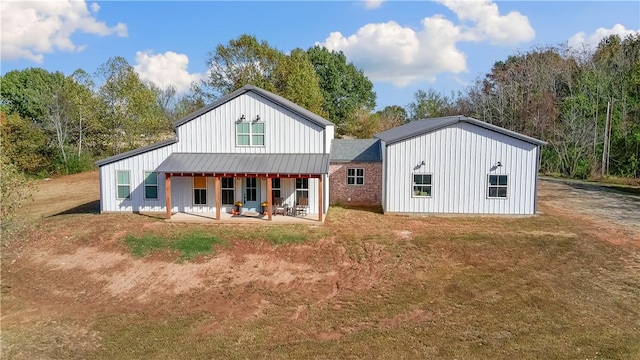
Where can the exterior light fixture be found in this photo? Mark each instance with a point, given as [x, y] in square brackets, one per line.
[257, 118]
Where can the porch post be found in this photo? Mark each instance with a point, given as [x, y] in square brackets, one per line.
[320, 207]
[218, 190]
[167, 193]
[269, 199]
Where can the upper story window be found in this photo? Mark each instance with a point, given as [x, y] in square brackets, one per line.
[498, 185]
[250, 133]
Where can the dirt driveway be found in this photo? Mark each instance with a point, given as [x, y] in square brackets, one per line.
[609, 208]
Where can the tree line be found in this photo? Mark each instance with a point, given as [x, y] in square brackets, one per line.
[53, 123]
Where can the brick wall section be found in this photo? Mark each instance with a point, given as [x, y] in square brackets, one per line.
[367, 194]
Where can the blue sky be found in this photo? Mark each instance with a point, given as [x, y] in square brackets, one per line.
[401, 45]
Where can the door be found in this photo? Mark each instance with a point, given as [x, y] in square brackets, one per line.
[251, 194]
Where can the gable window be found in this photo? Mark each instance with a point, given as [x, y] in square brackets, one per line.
[228, 190]
[302, 189]
[250, 134]
[355, 176]
[422, 185]
[275, 189]
[200, 190]
[150, 185]
[498, 185]
[123, 184]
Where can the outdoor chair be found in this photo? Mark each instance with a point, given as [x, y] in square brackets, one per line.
[279, 207]
[301, 208]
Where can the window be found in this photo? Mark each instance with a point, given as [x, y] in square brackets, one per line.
[275, 189]
[200, 190]
[302, 189]
[498, 185]
[123, 184]
[355, 176]
[251, 190]
[250, 134]
[150, 185]
[422, 185]
[228, 194]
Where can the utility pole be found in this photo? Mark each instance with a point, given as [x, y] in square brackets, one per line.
[607, 141]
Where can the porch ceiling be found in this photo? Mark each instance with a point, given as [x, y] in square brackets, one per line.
[231, 164]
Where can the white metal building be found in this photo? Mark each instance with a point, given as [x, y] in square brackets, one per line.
[459, 165]
[250, 146]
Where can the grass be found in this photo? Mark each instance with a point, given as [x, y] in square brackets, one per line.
[188, 244]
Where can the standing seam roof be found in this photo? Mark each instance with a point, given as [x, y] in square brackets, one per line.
[424, 126]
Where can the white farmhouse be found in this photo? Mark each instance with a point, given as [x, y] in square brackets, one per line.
[250, 146]
[253, 148]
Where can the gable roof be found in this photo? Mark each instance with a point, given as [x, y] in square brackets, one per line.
[137, 151]
[356, 150]
[424, 126]
[277, 99]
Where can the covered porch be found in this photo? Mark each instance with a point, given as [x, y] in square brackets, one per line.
[187, 176]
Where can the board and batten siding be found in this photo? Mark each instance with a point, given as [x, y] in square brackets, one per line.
[285, 131]
[460, 157]
[136, 165]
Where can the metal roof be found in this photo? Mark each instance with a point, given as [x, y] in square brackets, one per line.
[283, 164]
[356, 150]
[277, 99]
[137, 151]
[420, 127]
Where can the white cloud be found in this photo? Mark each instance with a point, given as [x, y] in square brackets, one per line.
[31, 29]
[403, 55]
[372, 4]
[165, 69]
[509, 29]
[590, 42]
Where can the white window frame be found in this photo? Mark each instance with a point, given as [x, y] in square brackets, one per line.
[193, 184]
[118, 184]
[355, 176]
[275, 188]
[144, 182]
[498, 186]
[302, 190]
[232, 188]
[414, 184]
[251, 134]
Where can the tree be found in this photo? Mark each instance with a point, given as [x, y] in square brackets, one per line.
[296, 80]
[392, 116]
[429, 104]
[130, 115]
[14, 191]
[243, 61]
[344, 87]
[24, 145]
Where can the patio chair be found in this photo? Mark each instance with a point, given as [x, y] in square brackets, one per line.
[279, 207]
[301, 208]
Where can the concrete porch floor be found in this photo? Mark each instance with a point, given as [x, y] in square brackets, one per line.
[226, 218]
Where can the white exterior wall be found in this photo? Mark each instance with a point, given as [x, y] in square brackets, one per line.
[215, 132]
[285, 132]
[136, 165]
[460, 157]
